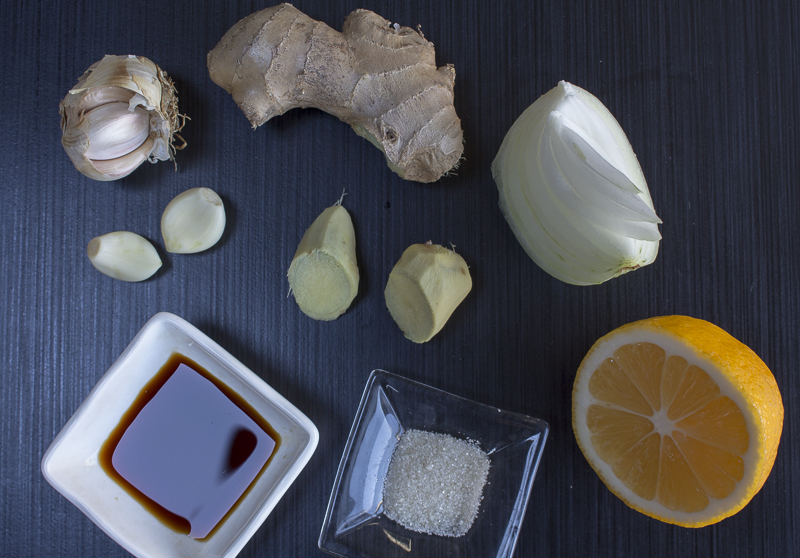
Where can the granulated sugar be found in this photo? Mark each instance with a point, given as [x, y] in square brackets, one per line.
[435, 483]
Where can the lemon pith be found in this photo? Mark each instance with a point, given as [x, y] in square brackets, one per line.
[679, 419]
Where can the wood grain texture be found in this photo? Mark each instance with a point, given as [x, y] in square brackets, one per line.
[706, 92]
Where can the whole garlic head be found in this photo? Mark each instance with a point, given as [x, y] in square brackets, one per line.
[122, 112]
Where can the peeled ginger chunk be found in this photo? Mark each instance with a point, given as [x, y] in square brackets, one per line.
[424, 289]
[323, 275]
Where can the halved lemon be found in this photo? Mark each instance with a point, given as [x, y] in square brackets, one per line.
[679, 419]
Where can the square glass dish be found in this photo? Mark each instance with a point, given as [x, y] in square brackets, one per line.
[356, 524]
[72, 462]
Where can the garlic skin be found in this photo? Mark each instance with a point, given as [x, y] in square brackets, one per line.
[193, 221]
[573, 191]
[123, 255]
[122, 112]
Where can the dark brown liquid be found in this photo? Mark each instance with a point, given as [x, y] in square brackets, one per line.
[231, 451]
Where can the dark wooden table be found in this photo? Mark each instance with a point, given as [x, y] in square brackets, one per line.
[707, 93]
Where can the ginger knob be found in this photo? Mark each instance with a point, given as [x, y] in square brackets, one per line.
[323, 275]
[424, 289]
[380, 78]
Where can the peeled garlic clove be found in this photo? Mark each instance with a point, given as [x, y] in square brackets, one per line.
[572, 189]
[122, 112]
[123, 255]
[424, 288]
[193, 221]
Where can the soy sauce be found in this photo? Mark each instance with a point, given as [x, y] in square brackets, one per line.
[189, 448]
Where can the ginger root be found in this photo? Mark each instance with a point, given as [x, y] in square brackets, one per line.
[424, 289]
[378, 77]
[324, 275]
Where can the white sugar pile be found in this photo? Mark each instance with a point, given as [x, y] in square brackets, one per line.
[435, 483]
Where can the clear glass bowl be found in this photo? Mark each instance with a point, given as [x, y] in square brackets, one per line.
[355, 524]
[71, 463]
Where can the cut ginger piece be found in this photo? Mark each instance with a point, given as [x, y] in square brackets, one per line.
[679, 419]
[323, 275]
[424, 288]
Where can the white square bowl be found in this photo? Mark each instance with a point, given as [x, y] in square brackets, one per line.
[71, 463]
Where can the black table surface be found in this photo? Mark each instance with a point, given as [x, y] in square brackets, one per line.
[707, 93]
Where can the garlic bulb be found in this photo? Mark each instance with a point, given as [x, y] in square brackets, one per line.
[122, 112]
[123, 255]
[573, 191]
[193, 221]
